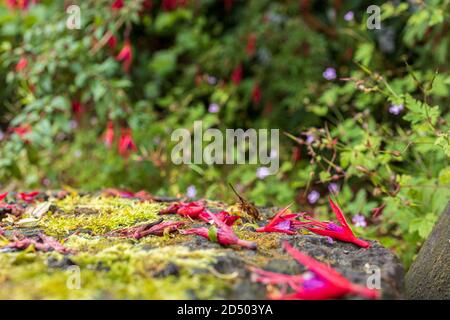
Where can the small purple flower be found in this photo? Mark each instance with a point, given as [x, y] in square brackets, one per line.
[313, 196]
[329, 74]
[211, 80]
[213, 108]
[2, 135]
[349, 16]
[73, 124]
[262, 172]
[359, 221]
[310, 138]
[333, 187]
[191, 191]
[395, 109]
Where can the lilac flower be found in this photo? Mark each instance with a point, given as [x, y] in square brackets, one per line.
[329, 74]
[349, 16]
[395, 109]
[333, 187]
[310, 139]
[359, 221]
[191, 191]
[330, 240]
[214, 108]
[313, 196]
[73, 124]
[211, 80]
[262, 172]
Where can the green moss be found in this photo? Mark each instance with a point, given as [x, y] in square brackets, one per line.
[97, 215]
[109, 267]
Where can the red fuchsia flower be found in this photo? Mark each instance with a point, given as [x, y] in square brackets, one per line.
[339, 231]
[282, 222]
[22, 64]
[108, 138]
[224, 216]
[228, 4]
[126, 143]
[157, 228]
[3, 196]
[28, 197]
[197, 210]
[22, 130]
[147, 5]
[118, 4]
[170, 5]
[320, 283]
[42, 243]
[112, 42]
[126, 56]
[190, 209]
[20, 4]
[256, 94]
[251, 45]
[236, 75]
[77, 109]
[221, 233]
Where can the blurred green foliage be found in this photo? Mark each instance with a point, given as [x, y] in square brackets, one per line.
[378, 133]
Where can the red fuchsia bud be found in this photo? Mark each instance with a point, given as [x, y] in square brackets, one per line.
[126, 56]
[108, 138]
[251, 44]
[117, 5]
[28, 197]
[3, 196]
[339, 231]
[77, 109]
[22, 131]
[228, 4]
[256, 94]
[20, 4]
[236, 75]
[169, 5]
[22, 64]
[147, 5]
[126, 143]
[320, 283]
[221, 233]
[112, 42]
[282, 222]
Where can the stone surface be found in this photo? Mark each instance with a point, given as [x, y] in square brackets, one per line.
[429, 275]
[170, 267]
